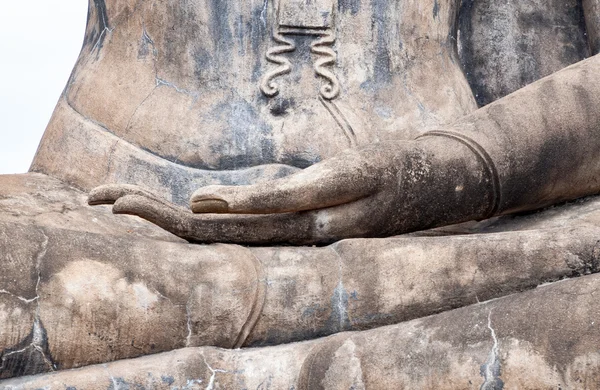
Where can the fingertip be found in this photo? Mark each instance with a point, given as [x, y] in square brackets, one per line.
[104, 194]
[128, 204]
[217, 206]
[210, 199]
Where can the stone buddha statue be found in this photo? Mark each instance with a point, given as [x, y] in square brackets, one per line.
[309, 122]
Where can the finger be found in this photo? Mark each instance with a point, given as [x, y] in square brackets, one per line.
[312, 227]
[240, 229]
[339, 180]
[109, 193]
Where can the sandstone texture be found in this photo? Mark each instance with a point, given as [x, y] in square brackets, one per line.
[533, 148]
[168, 96]
[94, 297]
[543, 339]
[472, 126]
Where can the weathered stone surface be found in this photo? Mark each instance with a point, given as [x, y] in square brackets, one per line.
[39, 200]
[98, 297]
[543, 339]
[533, 148]
[504, 46]
[78, 142]
[172, 96]
[592, 21]
[190, 92]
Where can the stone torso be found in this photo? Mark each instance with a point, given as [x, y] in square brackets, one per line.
[193, 89]
[184, 83]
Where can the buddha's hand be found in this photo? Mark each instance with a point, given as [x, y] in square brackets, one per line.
[350, 195]
[375, 191]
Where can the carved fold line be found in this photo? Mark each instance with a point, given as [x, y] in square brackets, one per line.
[319, 359]
[258, 304]
[485, 159]
[341, 120]
[147, 153]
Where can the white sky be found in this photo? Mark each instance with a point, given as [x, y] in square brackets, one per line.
[39, 44]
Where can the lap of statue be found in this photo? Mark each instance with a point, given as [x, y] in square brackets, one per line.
[295, 122]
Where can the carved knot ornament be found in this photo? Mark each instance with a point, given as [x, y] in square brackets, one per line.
[303, 17]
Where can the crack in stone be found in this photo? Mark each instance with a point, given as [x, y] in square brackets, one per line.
[38, 338]
[38, 265]
[148, 40]
[166, 298]
[491, 369]
[103, 23]
[160, 81]
[188, 339]
[5, 292]
[115, 384]
[37, 342]
[101, 37]
[339, 300]
[211, 382]
[263, 13]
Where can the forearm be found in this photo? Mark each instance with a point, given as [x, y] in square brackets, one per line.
[542, 143]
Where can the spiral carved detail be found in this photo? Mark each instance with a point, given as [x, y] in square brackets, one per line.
[327, 57]
[274, 55]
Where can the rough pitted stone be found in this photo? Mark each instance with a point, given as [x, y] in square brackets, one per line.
[168, 97]
[543, 339]
[94, 307]
[533, 148]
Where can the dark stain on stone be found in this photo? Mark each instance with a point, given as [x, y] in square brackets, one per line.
[240, 34]
[169, 380]
[177, 180]
[467, 54]
[352, 6]
[436, 9]
[202, 64]
[280, 106]
[122, 384]
[544, 38]
[221, 31]
[382, 73]
[258, 35]
[97, 35]
[578, 34]
[383, 69]
[249, 142]
[546, 170]
[595, 258]
[30, 356]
